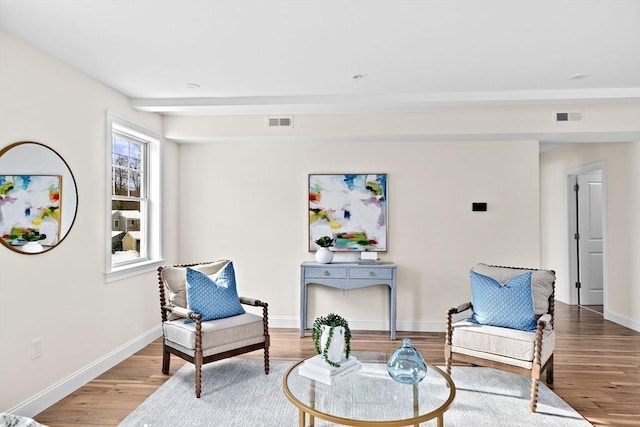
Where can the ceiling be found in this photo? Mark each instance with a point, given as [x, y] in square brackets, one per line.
[306, 56]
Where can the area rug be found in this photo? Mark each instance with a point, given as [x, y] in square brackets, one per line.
[235, 393]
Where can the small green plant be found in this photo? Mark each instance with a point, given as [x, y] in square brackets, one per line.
[26, 234]
[33, 236]
[332, 320]
[324, 241]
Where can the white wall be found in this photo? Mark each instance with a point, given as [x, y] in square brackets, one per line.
[248, 202]
[622, 197]
[61, 295]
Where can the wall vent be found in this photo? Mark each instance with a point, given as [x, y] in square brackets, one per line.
[280, 122]
[574, 116]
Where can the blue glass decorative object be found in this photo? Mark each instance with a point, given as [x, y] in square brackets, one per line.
[406, 365]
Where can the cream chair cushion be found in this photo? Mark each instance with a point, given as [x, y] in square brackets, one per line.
[217, 335]
[510, 346]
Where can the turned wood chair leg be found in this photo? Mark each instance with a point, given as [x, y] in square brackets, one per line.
[534, 395]
[448, 342]
[166, 359]
[266, 357]
[447, 358]
[198, 361]
[198, 379]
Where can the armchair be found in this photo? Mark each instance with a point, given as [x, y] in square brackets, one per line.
[520, 351]
[189, 335]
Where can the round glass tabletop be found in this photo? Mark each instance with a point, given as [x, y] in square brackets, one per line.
[370, 397]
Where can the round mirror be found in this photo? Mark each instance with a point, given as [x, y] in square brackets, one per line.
[38, 198]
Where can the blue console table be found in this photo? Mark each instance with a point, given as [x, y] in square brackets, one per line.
[347, 275]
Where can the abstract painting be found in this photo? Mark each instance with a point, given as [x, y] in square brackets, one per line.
[349, 208]
[30, 203]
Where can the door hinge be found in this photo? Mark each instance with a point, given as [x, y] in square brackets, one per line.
[576, 187]
[578, 285]
[576, 236]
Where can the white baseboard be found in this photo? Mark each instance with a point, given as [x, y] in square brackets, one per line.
[47, 397]
[402, 326]
[283, 322]
[422, 326]
[365, 325]
[621, 320]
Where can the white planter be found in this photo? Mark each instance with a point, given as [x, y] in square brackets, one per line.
[324, 256]
[337, 346]
[32, 247]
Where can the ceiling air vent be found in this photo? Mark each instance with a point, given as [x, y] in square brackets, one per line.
[568, 117]
[280, 122]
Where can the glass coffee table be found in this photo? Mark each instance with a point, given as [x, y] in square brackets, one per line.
[369, 397]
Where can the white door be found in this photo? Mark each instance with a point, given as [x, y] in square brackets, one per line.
[590, 238]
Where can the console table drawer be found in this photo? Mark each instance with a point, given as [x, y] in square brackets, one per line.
[325, 273]
[370, 273]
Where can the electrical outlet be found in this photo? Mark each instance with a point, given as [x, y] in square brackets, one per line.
[36, 348]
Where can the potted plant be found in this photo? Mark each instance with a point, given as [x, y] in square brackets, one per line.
[32, 237]
[324, 242]
[332, 338]
[324, 254]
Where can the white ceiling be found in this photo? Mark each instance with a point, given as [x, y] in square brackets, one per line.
[301, 55]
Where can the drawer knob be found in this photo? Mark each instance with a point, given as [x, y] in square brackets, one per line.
[372, 274]
[326, 273]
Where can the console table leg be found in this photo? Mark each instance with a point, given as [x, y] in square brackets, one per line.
[392, 312]
[303, 308]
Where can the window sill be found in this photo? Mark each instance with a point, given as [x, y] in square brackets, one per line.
[124, 272]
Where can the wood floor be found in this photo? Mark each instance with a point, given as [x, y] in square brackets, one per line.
[597, 371]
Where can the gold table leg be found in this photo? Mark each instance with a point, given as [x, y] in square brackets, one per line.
[312, 419]
[416, 403]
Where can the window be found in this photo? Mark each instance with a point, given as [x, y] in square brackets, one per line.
[133, 199]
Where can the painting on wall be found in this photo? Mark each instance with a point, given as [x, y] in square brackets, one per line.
[30, 206]
[349, 208]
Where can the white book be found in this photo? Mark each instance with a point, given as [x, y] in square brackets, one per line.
[328, 379]
[318, 364]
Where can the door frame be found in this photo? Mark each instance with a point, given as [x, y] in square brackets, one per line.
[570, 175]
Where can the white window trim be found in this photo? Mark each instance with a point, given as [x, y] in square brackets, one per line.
[154, 251]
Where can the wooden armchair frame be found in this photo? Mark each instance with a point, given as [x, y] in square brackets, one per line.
[198, 359]
[544, 321]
